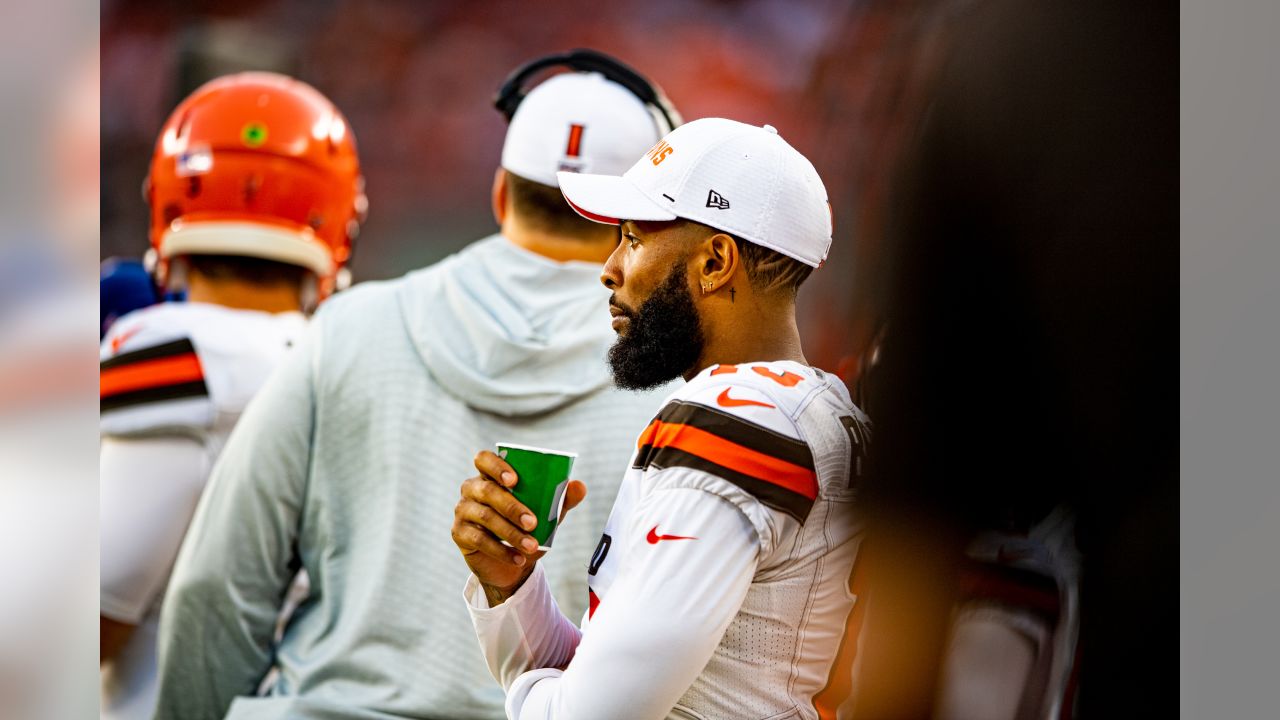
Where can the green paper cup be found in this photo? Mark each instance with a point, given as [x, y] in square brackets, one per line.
[543, 477]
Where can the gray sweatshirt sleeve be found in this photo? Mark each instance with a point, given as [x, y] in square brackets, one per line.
[239, 555]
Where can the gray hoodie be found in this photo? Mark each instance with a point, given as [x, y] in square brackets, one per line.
[348, 463]
[508, 331]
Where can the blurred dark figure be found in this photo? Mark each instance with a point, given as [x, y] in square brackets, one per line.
[1029, 364]
[124, 285]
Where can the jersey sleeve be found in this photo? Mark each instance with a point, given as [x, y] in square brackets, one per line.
[691, 556]
[526, 632]
[151, 379]
[149, 490]
[734, 441]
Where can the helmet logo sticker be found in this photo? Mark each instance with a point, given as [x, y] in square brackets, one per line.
[196, 160]
[254, 134]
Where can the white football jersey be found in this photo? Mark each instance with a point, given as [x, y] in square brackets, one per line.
[721, 584]
[173, 380]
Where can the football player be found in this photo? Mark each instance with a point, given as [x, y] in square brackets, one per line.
[255, 195]
[719, 587]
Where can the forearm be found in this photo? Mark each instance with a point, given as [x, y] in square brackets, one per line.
[148, 490]
[526, 631]
[666, 612]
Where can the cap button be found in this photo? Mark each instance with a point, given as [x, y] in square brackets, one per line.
[771, 129]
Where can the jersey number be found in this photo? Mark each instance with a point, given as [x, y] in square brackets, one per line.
[860, 438]
[602, 550]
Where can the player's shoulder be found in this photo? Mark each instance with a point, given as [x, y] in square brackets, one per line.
[150, 376]
[772, 394]
[737, 423]
[177, 365]
[205, 323]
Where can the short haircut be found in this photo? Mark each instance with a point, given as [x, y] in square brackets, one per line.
[767, 270]
[542, 207]
[252, 270]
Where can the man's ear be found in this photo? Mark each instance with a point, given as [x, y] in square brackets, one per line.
[720, 260]
[499, 196]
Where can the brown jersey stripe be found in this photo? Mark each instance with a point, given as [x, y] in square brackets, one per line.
[153, 394]
[738, 431]
[154, 352]
[768, 493]
[160, 372]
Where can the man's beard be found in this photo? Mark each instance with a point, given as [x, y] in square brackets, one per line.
[664, 338]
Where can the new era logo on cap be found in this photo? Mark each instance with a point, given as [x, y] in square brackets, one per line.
[779, 202]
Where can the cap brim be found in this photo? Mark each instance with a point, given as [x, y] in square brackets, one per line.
[609, 199]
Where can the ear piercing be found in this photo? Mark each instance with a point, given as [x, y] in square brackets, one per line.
[706, 288]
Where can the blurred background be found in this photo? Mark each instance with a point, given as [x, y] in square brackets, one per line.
[416, 80]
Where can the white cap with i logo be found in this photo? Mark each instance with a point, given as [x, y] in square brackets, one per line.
[576, 122]
[739, 178]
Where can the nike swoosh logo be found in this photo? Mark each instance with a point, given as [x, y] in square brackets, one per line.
[123, 338]
[725, 401]
[654, 538]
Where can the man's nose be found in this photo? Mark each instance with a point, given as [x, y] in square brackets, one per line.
[609, 275]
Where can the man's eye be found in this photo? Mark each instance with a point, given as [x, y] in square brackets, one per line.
[633, 240]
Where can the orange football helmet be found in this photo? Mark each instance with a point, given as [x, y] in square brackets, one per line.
[257, 164]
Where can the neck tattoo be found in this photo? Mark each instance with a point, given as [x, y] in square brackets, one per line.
[732, 292]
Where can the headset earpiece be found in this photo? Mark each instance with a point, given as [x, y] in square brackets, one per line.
[511, 93]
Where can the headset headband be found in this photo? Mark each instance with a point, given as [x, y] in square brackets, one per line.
[512, 92]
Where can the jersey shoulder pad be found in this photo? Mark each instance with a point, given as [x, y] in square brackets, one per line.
[150, 376]
[734, 426]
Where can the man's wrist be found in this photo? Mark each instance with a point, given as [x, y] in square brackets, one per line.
[498, 595]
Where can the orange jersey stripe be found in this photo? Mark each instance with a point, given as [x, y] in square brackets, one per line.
[732, 455]
[150, 374]
[646, 437]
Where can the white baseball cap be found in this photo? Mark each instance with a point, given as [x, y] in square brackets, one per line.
[577, 122]
[739, 178]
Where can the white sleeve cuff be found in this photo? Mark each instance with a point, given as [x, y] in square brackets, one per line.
[533, 585]
[525, 632]
[526, 698]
